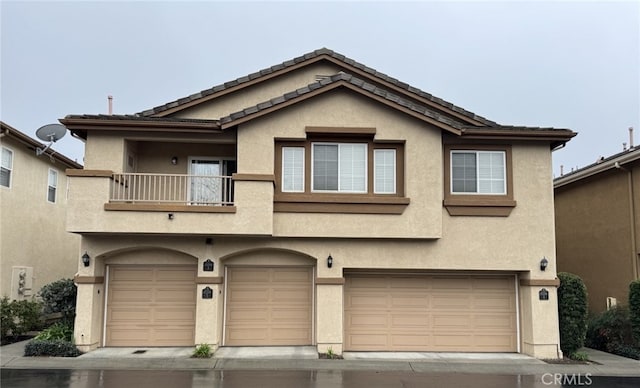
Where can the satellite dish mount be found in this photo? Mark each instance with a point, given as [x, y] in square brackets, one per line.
[50, 133]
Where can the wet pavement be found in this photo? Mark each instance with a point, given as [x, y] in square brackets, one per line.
[14, 378]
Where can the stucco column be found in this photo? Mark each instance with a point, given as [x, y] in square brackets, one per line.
[209, 310]
[329, 294]
[87, 330]
[539, 321]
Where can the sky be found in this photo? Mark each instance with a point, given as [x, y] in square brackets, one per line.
[555, 64]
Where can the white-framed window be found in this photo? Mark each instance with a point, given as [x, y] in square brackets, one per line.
[293, 169]
[6, 167]
[339, 167]
[384, 161]
[478, 172]
[52, 186]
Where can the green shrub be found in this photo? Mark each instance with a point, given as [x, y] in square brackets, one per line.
[610, 330]
[572, 312]
[634, 309]
[579, 356]
[58, 331]
[202, 351]
[55, 348]
[19, 317]
[60, 297]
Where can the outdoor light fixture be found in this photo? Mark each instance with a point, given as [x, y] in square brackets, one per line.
[544, 263]
[329, 261]
[543, 294]
[174, 160]
[207, 266]
[86, 259]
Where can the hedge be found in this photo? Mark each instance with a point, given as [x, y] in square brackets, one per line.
[55, 348]
[634, 309]
[572, 312]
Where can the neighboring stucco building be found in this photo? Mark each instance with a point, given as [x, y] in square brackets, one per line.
[598, 226]
[35, 248]
[316, 202]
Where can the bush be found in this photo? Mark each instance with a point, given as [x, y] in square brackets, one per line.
[19, 317]
[55, 348]
[58, 331]
[634, 309]
[610, 330]
[60, 297]
[202, 351]
[572, 312]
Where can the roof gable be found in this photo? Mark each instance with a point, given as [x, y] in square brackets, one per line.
[349, 65]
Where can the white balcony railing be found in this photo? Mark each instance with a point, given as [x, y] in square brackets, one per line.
[182, 189]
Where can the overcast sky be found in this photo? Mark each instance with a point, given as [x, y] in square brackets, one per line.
[560, 64]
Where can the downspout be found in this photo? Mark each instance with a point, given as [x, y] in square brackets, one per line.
[632, 216]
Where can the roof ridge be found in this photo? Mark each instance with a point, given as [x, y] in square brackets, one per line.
[351, 79]
[308, 56]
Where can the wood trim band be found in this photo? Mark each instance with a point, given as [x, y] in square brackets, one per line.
[340, 131]
[89, 173]
[370, 205]
[210, 279]
[254, 177]
[330, 281]
[152, 207]
[88, 279]
[540, 282]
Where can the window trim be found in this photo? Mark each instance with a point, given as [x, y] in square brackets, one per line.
[49, 186]
[475, 204]
[367, 202]
[477, 152]
[10, 168]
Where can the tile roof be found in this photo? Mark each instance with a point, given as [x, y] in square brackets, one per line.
[137, 117]
[333, 80]
[309, 56]
[602, 164]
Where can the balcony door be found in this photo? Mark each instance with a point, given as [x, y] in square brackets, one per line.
[208, 182]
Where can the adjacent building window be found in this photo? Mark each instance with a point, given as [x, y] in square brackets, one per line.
[52, 186]
[384, 171]
[478, 172]
[6, 167]
[293, 169]
[340, 167]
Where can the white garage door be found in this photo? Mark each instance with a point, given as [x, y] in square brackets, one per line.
[151, 305]
[268, 306]
[465, 313]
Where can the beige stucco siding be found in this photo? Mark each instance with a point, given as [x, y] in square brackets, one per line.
[235, 102]
[594, 232]
[32, 230]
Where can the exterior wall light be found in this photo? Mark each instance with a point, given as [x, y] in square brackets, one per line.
[544, 263]
[543, 294]
[207, 266]
[174, 160]
[329, 261]
[86, 259]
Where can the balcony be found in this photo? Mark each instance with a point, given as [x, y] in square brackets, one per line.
[179, 192]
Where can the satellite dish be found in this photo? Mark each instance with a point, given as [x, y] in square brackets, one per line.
[50, 133]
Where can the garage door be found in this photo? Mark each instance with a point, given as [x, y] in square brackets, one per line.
[430, 313]
[268, 306]
[151, 306]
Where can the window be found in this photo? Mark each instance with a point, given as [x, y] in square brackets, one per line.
[478, 180]
[478, 172]
[339, 170]
[6, 167]
[52, 186]
[385, 171]
[292, 169]
[339, 167]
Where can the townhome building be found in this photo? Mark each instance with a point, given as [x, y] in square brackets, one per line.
[316, 202]
[35, 248]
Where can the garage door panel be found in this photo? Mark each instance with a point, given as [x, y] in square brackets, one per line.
[290, 315]
[239, 315]
[268, 306]
[430, 313]
[367, 320]
[151, 305]
[118, 315]
[135, 275]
